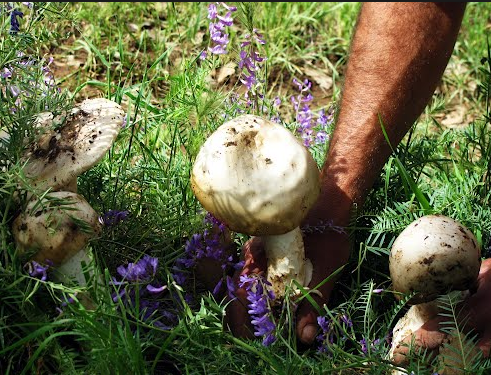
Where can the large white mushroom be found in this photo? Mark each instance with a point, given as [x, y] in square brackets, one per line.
[69, 144]
[433, 256]
[257, 177]
[58, 230]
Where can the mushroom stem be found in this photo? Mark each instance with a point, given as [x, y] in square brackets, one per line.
[286, 260]
[58, 231]
[415, 317]
[73, 268]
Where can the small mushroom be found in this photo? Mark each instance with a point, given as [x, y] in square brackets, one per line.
[4, 140]
[257, 178]
[58, 229]
[433, 256]
[72, 143]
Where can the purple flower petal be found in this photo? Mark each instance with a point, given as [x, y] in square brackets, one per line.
[156, 290]
[227, 20]
[229, 7]
[269, 339]
[217, 287]
[218, 50]
[212, 11]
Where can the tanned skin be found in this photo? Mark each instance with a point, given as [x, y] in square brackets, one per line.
[398, 55]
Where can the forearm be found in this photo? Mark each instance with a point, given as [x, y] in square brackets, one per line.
[398, 55]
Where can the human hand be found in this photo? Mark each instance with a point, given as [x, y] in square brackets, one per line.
[477, 308]
[328, 250]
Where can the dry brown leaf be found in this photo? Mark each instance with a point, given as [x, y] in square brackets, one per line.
[72, 61]
[456, 117]
[319, 77]
[63, 66]
[226, 71]
[198, 38]
[133, 27]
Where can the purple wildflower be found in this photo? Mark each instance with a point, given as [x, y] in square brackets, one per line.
[321, 137]
[346, 320]
[205, 245]
[139, 279]
[258, 36]
[15, 90]
[218, 33]
[37, 270]
[20, 88]
[366, 347]
[68, 301]
[331, 331]
[230, 287]
[14, 22]
[259, 297]
[326, 337]
[227, 20]
[212, 11]
[311, 131]
[218, 287]
[229, 7]
[249, 65]
[143, 270]
[7, 73]
[113, 217]
[218, 50]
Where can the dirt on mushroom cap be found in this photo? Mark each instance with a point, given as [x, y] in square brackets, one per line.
[61, 154]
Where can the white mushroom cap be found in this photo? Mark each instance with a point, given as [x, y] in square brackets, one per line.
[63, 153]
[255, 176]
[56, 232]
[433, 255]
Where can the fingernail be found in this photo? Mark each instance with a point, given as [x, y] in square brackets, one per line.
[308, 334]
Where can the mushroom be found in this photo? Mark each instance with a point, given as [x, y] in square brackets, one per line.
[4, 140]
[72, 143]
[433, 256]
[58, 229]
[256, 177]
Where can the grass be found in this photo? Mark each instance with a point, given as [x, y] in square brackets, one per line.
[145, 56]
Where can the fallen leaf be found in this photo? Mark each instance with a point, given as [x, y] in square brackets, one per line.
[198, 38]
[319, 77]
[132, 27]
[226, 71]
[72, 61]
[456, 117]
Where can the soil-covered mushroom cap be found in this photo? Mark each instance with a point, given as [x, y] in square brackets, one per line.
[432, 256]
[57, 229]
[62, 153]
[255, 176]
